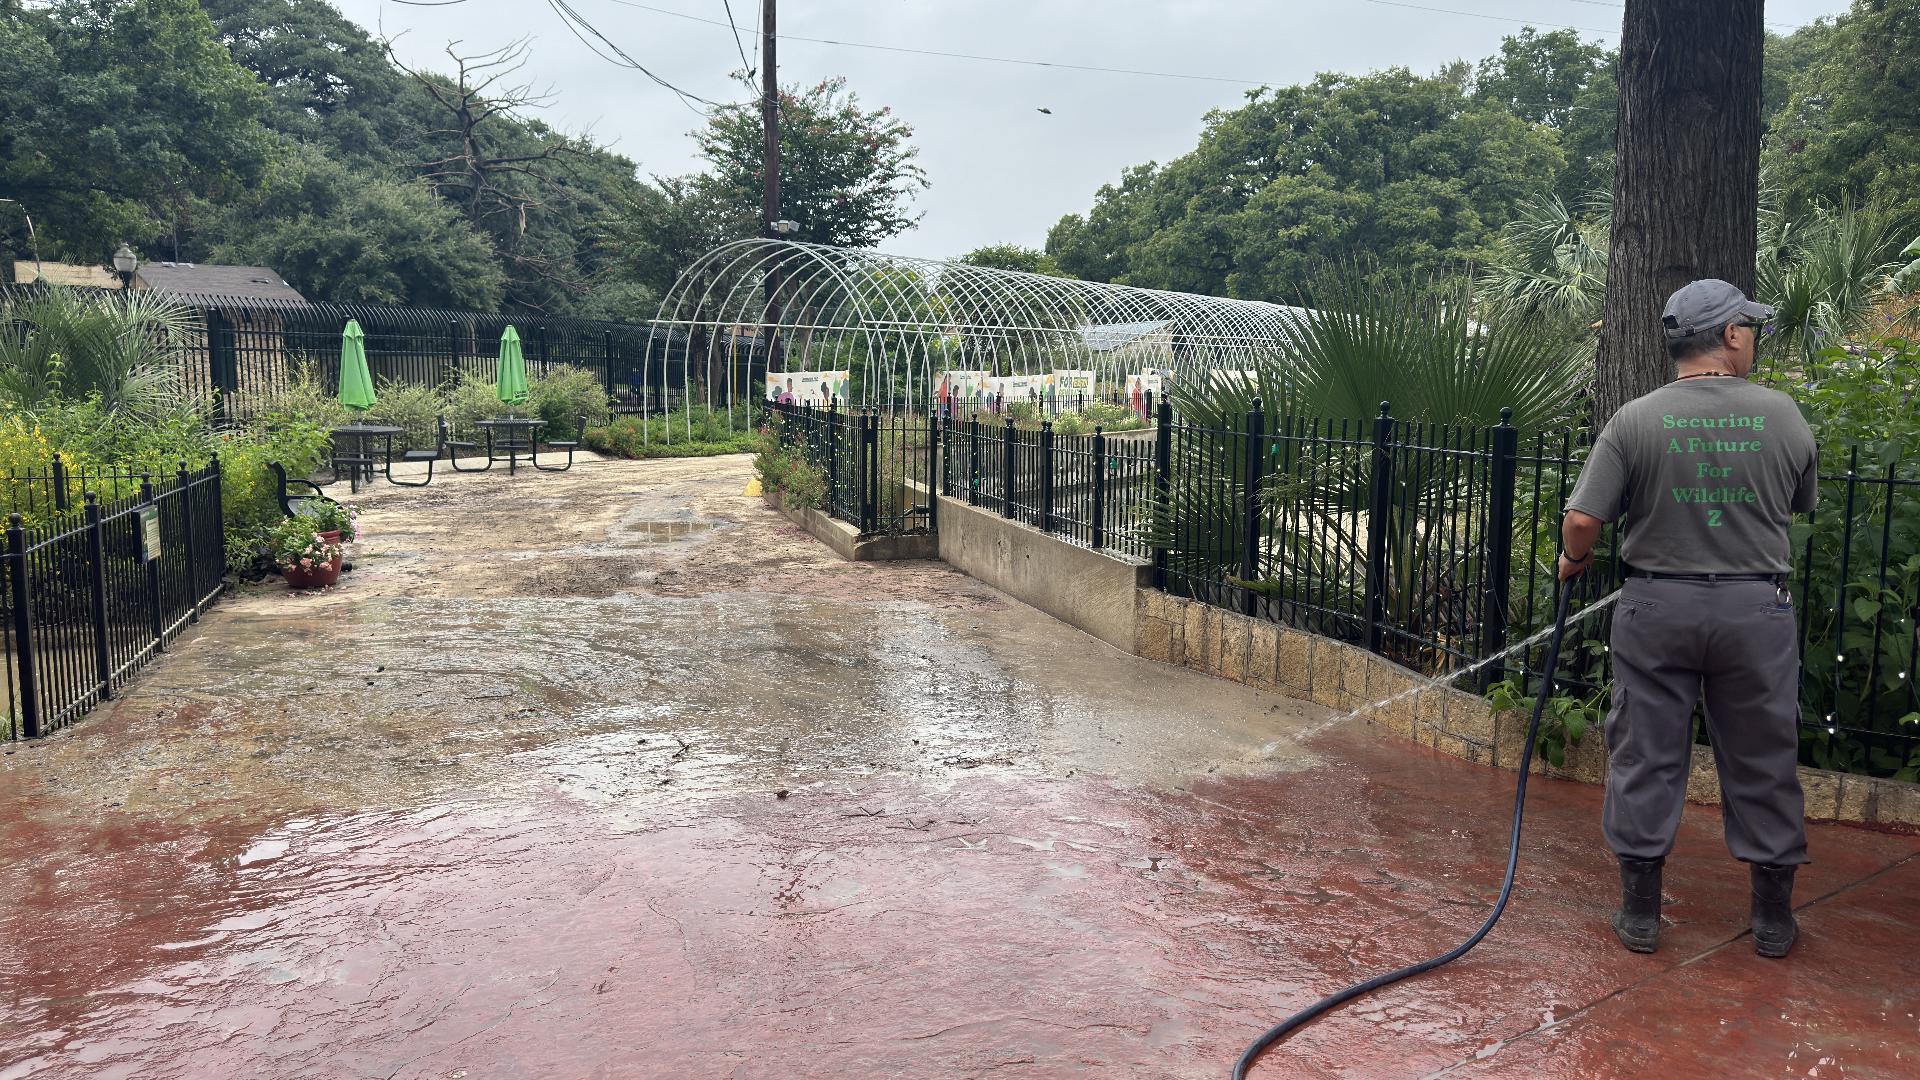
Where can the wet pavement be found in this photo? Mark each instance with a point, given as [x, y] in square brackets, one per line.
[614, 773]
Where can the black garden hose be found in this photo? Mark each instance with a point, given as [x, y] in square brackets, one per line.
[1286, 1027]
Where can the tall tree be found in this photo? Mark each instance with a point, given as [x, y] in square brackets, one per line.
[848, 174]
[1850, 129]
[113, 114]
[336, 234]
[1687, 176]
[1412, 171]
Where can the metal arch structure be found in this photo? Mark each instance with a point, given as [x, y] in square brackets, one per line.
[756, 305]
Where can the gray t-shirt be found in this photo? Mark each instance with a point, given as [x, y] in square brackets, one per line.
[1709, 472]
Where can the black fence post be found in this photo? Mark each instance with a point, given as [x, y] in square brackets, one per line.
[1046, 476]
[97, 594]
[1008, 461]
[544, 363]
[452, 377]
[223, 362]
[59, 482]
[24, 660]
[183, 494]
[973, 460]
[1253, 474]
[936, 470]
[1505, 444]
[870, 471]
[833, 457]
[1099, 537]
[1379, 509]
[154, 613]
[608, 353]
[1162, 487]
[213, 465]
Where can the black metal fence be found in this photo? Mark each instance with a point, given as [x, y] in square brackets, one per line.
[95, 592]
[1095, 490]
[876, 464]
[1435, 545]
[237, 351]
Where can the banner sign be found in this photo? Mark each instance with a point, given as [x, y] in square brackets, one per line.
[958, 390]
[808, 387]
[1149, 381]
[1069, 390]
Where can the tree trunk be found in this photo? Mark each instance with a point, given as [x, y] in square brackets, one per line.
[1686, 182]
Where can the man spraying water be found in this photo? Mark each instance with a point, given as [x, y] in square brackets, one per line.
[1708, 471]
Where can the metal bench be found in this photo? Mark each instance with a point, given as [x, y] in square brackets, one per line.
[569, 445]
[454, 449]
[428, 456]
[287, 497]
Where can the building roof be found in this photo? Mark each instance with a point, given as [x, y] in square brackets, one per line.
[203, 279]
[59, 273]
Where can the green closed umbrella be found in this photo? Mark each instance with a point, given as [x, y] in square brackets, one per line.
[356, 384]
[512, 388]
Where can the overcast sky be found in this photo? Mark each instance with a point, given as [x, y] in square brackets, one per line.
[1000, 170]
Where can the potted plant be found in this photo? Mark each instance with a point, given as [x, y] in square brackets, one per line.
[335, 523]
[306, 558]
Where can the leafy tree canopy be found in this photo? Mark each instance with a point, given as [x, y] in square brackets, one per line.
[848, 174]
[1850, 126]
[1407, 170]
[112, 115]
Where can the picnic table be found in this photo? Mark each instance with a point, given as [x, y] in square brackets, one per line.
[360, 462]
[518, 437]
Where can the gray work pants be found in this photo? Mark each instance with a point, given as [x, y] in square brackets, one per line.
[1739, 644]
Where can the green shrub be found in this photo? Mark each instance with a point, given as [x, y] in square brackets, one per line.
[468, 399]
[416, 408]
[302, 397]
[562, 396]
[699, 432]
[784, 469]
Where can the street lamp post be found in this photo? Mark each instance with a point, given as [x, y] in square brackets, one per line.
[125, 262]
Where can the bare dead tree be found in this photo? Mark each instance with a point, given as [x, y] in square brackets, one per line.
[484, 103]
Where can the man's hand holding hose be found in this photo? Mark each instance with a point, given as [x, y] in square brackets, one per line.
[1578, 534]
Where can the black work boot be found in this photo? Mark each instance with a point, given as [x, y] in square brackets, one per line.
[1637, 923]
[1774, 930]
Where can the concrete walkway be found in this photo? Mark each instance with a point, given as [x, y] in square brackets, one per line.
[614, 773]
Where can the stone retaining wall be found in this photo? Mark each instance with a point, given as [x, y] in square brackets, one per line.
[1266, 656]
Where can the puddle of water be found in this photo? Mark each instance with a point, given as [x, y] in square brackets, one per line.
[667, 532]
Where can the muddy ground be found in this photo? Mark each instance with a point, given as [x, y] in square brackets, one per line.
[617, 773]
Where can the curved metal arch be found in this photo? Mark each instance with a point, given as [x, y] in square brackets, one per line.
[897, 320]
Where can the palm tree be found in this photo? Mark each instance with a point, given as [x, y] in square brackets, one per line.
[1449, 376]
[1549, 262]
[121, 349]
[1827, 274]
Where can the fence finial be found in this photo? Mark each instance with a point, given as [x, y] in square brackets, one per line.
[1386, 408]
[1506, 416]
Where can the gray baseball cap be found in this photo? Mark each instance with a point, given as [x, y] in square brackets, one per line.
[1708, 305]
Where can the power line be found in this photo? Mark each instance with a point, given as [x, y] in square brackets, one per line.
[1619, 7]
[1494, 18]
[575, 22]
[951, 55]
[744, 62]
[571, 17]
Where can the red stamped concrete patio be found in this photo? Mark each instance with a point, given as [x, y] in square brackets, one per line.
[614, 774]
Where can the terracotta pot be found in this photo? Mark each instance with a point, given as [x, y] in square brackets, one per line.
[320, 577]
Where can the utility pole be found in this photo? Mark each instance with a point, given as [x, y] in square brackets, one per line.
[769, 120]
[770, 170]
